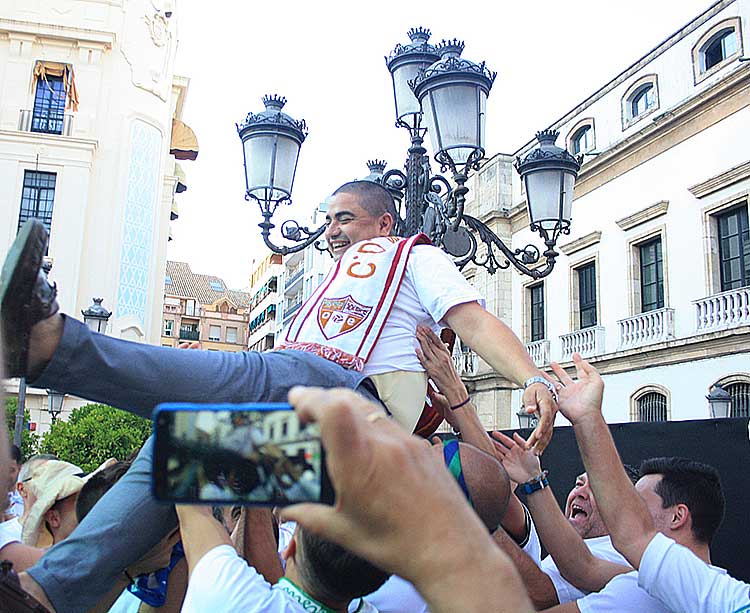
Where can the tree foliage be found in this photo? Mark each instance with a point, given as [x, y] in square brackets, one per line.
[93, 433]
[29, 440]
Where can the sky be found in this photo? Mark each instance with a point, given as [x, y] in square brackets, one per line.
[326, 58]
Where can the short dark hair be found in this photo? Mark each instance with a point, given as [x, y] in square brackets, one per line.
[15, 454]
[333, 573]
[694, 484]
[632, 472]
[373, 197]
[97, 486]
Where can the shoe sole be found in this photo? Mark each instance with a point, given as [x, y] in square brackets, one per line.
[17, 281]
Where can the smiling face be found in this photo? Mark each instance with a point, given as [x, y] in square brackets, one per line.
[582, 512]
[348, 223]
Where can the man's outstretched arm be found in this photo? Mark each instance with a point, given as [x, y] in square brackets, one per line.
[502, 350]
[624, 512]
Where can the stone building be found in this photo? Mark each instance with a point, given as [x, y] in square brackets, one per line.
[266, 303]
[201, 308]
[653, 282]
[90, 128]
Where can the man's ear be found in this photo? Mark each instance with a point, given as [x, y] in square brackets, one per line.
[680, 517]
[291, 549]
[386, 222]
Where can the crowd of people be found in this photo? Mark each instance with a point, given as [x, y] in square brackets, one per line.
[417, 525]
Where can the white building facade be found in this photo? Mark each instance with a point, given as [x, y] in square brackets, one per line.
[88, 103]
[653, 282]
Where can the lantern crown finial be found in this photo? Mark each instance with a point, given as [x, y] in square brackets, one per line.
[419, 34]
[547, 137]
[274, 102]
[450, 48]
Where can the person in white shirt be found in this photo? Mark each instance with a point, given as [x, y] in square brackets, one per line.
[652, 525]
[15, 506]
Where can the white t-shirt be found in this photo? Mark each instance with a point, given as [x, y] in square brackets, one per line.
[10, 532]
[622, 594]
[600, 547]
[15, 505]
[680, 579]
[222, 581]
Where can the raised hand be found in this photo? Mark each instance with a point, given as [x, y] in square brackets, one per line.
[520, 463]
[581, 397]
[437, 361]
[538, 399]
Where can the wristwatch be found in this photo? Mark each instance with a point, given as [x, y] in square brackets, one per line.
[531, 380]
[537, 483]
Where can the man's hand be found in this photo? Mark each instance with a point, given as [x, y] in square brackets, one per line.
[189, 345]
[538, 399]
[438, 362]
[581, 398]
[521, 464]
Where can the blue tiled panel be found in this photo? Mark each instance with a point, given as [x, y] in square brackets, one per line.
[138, 223]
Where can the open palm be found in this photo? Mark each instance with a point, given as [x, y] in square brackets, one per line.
[579, 397]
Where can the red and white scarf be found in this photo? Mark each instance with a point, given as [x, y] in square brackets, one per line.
[345, 316]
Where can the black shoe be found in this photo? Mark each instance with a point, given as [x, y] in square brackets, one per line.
[26, 296]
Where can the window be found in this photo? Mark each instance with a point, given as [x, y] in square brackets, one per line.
[720, 47]
[582, 140]
[652, 275]
[214, 333]
[231, 335]
[643, 100]
[167, 280]
[740, 393]
[587, 295]
[216, 286]
[652, 406]
[190, 307]
[536, 312]
[37, 197]
[284, 429]
[168, 327]
[49, 106]
[734, 248]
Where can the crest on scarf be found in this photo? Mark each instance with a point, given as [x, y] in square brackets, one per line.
[337, 316]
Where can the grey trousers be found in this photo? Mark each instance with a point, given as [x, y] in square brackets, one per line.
[127, 522]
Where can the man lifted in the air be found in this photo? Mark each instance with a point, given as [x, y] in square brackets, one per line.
[357, 330]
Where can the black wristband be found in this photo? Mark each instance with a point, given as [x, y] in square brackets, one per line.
[460, 404]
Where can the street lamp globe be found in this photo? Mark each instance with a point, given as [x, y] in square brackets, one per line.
[526, 420]
[720, 402]
[271, 141]
[96, 316]
[55, 406]
[404, 64]
[549, 174]
[453, 94]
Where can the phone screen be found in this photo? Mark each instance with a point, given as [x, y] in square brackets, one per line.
[237, 454]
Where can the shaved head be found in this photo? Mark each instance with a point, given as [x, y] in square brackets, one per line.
[488, 485]
[371, 196]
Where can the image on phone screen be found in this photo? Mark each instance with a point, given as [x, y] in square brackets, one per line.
[236, 456]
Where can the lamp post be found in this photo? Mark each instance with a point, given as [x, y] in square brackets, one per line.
[55, 404]
[526, 420]
[720, 402]
[96, 316]
[441, 94]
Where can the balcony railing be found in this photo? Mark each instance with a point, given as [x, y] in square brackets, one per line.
[466, 362]
[646, 328]
[539, 351]
[62, 127]
[189, 335]
[291, 310]
[588, 342]
[293, 277]
[725, 310]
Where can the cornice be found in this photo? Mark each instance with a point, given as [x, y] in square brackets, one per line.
[592, 238]
[57, 32]
[644, 215]
[720, 181]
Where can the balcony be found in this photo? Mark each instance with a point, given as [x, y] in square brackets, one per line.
[646, 328]
[588, 342]
[291, 310]
[729, 309]
[294, 277]
[189, 335]
[466, 362]
[60, 125]
[539, 352]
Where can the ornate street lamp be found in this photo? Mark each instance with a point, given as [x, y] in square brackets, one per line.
[526, 420]
[55, 406]
[720, 402]
[434, 85]
[96, 316]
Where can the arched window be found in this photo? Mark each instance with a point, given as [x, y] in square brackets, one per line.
[642, 100]
[740, 393]
[582, 140]
[719, 47]
[650, 403]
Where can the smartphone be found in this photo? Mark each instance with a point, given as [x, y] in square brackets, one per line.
[237, 454]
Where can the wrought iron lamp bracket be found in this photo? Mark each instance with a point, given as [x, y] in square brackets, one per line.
[290, 229]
